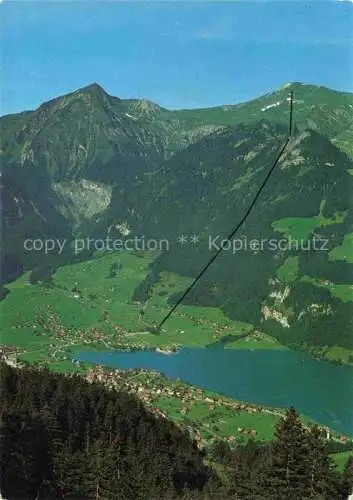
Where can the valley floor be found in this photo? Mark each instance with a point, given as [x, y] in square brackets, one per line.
[86, 306]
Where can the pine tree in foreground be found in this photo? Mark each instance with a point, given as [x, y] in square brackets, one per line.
[290, 460]
[63, 438]
[322, 478]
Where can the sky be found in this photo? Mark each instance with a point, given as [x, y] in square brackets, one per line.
[182, 54]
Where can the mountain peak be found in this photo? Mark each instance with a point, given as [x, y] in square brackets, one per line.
[143, 107]
[93, 88]
[292, 85]
[93, 91]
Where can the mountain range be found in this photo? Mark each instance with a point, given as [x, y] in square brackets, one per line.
[90, 164]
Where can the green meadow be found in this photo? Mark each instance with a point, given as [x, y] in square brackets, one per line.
[345, 251]
[289, 271]
[343, 291]
[220, 423]
[84, 298]
[301, 228]
[340, 459]
[338, 352]
[211, 416]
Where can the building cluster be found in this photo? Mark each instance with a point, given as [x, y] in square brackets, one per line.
[149, 386]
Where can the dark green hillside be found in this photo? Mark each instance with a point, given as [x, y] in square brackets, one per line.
[319, 108]
[80, 135]
[62, 437]
[344, 141]
[28, 211]
[206, 189]
[195, 187]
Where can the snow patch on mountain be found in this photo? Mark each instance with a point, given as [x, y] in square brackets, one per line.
[130, 116]
[269, 106]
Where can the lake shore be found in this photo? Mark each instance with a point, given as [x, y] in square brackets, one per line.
[262, 377]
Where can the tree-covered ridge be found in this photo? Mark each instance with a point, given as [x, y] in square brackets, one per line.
[206, 189]
[62, 437]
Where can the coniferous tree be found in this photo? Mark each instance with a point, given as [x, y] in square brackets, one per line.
[220, 451]
[250, 464]
[322, 478]
[64, 438]
[346, 483]
[288, 475]
[24, 454]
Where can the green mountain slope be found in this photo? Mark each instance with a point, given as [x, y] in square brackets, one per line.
[90, 133]
[319, 108]
[301, 294]
[90, 164]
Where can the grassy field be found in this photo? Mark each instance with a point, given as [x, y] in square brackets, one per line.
[301, 228]
[91, 307]
[343, 292]
[225, 422]
[345, 251]
[337, 352]
[89, 304]
[341, 459]
[288, 272]
[221, 423]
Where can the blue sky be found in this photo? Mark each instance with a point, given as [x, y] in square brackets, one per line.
[179, 54]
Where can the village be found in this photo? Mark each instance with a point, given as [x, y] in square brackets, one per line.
[152, 388]
[62, 340]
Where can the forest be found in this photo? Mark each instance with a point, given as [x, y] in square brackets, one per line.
[65, 438]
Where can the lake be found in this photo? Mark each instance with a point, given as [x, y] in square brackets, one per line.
[274, 378]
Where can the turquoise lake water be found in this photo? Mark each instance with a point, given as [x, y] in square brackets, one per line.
[275, 378]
